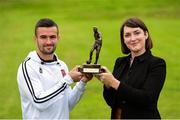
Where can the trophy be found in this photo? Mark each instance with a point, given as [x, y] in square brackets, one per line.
[93, 68]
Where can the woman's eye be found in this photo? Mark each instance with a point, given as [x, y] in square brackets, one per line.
[137, 33]
[127, 35]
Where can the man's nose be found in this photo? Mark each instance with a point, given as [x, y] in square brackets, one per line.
[48, 40]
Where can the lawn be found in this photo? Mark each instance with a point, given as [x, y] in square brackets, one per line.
[76, 19]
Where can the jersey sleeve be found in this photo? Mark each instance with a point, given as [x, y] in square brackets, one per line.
[75, 94]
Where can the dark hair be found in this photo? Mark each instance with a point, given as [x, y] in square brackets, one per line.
[46, 22]
[134, 22]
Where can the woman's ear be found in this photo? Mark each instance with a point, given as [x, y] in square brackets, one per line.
[146, 34]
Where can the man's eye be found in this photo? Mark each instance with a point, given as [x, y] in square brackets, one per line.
[43, 37]
[52, 37]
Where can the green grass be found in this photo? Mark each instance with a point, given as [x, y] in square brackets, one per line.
[76, 18]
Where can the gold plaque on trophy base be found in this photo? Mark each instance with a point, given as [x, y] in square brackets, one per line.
[90, 68]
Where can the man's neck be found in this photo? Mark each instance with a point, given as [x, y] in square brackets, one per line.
[44, 57]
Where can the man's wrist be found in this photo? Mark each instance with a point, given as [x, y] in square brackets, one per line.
[83, 82]
[68, 79]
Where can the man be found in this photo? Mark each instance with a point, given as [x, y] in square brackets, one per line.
[44, 80]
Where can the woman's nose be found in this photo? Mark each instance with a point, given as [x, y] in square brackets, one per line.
[133, 38]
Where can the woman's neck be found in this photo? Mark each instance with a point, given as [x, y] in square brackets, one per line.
[135, 54]
[138, 53]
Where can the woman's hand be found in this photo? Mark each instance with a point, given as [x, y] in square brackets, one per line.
[108, 79]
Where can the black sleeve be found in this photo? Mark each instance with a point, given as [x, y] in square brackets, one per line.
[149, 93]
[109, 93]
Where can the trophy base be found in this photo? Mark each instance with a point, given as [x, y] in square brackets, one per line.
[90, 68]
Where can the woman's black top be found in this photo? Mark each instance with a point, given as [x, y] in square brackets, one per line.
[140, 86]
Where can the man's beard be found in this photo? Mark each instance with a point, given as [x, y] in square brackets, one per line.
[46, 51]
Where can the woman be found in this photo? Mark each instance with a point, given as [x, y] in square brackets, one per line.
[132, 91]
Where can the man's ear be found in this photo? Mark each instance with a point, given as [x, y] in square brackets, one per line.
[59, 37]
[35, 38]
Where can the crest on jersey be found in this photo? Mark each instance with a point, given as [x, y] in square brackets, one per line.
[63, 72]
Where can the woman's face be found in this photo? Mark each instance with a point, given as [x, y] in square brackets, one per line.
[135, 39]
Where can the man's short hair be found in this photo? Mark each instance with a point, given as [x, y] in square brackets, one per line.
[46, 22]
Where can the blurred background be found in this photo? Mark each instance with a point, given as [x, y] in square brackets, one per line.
[76, 19]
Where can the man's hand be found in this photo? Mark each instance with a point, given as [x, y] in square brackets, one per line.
[75, 74]
[86, 77]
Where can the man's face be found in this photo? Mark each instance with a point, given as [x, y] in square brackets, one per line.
[47, 38]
